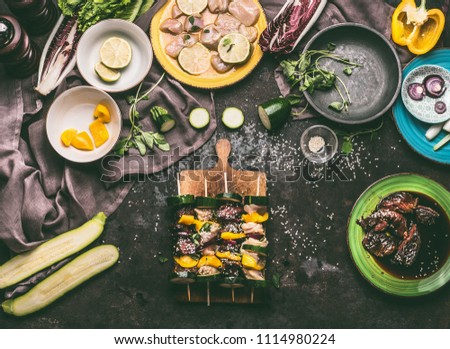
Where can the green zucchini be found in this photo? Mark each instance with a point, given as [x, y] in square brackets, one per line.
[274, 113]
[232, 282]
[182, 277]
[162, 119]
[64, 280]
[180, 200]
[199, 118]
[26, 264]
[258, 249]
[205, 202]
[256, 200]
[233, 118]
[230, 197]
[257, 283]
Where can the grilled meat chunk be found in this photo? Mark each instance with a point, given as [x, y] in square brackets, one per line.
[204, 214]
[184, 210]
[409, 248]
[382, 220]
[184, 247]
[401, 202]
[230, 268]
[426, 215]
[230, 212]
[379, 244]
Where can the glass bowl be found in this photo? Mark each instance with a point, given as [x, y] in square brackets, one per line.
[326, 152]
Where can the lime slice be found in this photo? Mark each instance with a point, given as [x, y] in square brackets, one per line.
[195, 59]
[190, 7]
[115, 53]
[106, 74]
[234, 48]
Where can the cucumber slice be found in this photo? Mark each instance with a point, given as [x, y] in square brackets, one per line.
[199, 118]
[206, 202]
[233, 118]
[232, 282]
[257, 283]
[258, 249]
[64, 280]
[208, 278]
[274, 113]
[180, 200]
[182, 277]
[256, 200]
[233, 197]
[26, 264]
[162, 119]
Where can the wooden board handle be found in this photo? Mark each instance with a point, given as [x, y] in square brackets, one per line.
[223, 150]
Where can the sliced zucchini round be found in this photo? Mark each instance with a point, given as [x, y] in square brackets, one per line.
[182, 277]
[233, 197]
[274, 113]
[258, 249]
[206, 202]
[208, 278]
[233, 118]
[256, 200]
[232, 282]
[180, 200]
[257, 283]
[199, 118]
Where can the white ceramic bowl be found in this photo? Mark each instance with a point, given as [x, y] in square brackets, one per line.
[88, 54]
[74, 109]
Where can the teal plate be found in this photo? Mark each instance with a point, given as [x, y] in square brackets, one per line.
[413, 130]
[366, 263]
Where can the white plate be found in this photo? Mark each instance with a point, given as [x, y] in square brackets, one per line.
[424, 110]
[88, 54]
[74, 109]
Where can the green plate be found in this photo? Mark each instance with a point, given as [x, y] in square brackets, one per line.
[366, 263]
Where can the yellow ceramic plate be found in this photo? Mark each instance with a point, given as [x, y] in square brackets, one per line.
[217, 80]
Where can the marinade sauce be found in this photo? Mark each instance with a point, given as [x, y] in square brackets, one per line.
[434, 248]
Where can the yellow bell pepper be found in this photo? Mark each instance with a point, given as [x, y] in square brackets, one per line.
[228, 255]
[82, 141]
[232, 236]
[250, 263]
[211, 261]
[187, 219]
[255, 217]
[99, 132]
[68, 135]
[185, 261]
[416, 27]
[101, 113]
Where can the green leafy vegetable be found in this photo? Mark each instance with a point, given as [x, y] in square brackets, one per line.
[347, 144]
[138, 138]
[276, 280]
[307, 73]
[163, 260]
[348, 71]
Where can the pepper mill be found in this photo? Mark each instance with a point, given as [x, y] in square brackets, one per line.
[37, 16]
[18, 53]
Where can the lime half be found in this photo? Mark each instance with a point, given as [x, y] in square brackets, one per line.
[195, 59]
[115, 53]
[105, 73]
[234, 48]
[190, 7]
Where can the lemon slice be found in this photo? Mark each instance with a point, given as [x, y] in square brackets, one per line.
[190, 7]
[106, 74]
[195, 59]
[115, 53]
[234, 48]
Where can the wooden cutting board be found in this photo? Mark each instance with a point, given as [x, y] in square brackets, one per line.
[241, 182]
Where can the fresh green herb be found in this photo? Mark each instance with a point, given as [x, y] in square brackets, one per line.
[206, 31]
[347, 144]
[348, 71]
[191, 19]
[163, 260]
[195, 28]
[196, 237]
[187, 37]
[307, 73]
[226, 42]
[138, 138]
[331, 46]
[206, 227]
[276, 279]
[230, 48]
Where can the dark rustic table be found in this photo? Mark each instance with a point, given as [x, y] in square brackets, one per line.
[321, 288]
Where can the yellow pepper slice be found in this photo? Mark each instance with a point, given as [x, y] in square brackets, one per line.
[250, 263]
[68, 135]
[211, 261]
[185, 261]
[416, 27]
[101, 113]
[255, 217]
[228, 255]
[186, 219]
[232, 236]
[99, 132]
[82, 141]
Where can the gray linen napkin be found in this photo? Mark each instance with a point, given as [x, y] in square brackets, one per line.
[41, 195]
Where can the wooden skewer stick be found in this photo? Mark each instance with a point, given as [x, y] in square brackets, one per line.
[232, 294]
[178, 184]
[226, 181]
[206, 186]
[188, 292]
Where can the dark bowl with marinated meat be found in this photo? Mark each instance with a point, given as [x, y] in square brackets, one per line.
[373, 87]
